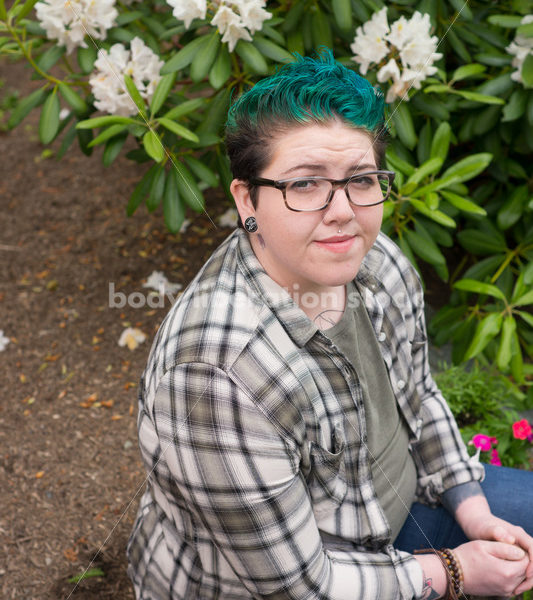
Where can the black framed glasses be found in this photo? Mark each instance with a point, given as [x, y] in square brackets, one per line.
[306, 194]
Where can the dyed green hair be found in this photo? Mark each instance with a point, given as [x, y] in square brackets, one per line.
[307, 91]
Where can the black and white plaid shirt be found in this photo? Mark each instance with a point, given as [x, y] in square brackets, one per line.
[252, 429]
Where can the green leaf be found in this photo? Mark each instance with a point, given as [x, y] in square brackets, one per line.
[398, 164]
[128, 17]
[435, 215]
[108, 133]
[342, 11]
[517, 361]
[482, 98]
[156, 189]
[49, 58]
[526, 29]
[478, 287]
[463, 204]
[86, 58]
[205, 57]
[49, 121]
[511, 21]
[27, 7]
[178, 129]
[527, 298]
[3, 13]
[468, 71]
[528, 318]
[161, 92]
[320, 29]
[217, 112]
[84, 139]
[441, 141]
[527, 71]
[25, 106]
[140, 191]
[185, 56]
[190, 192]
[498, 86]
[403, 123]
[438, 88]
[95, 572]
[272, 50]
[251, 57]
[425, 248]
[105, 121]
[487, 329]
[154, 146]
[478, 242]
[135, 94]
[293, 17]
[468, 167]
[516, 105]
[201, 171]
[185, 108]
[428, 168]
[173, 209]
[431, 107]
[503, 358]
[73, 100]
[112, 148]
[513, 208]
[221, 70]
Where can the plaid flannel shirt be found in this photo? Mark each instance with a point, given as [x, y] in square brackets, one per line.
[252, 429]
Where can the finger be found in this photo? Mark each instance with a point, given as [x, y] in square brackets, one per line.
[527, 584]
[507, 551]
[500, 534]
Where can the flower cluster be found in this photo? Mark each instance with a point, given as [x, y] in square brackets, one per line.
[107, 82]
[235, 19]
[521, 47]
[69, 21]
[484, 443]
[409, 40]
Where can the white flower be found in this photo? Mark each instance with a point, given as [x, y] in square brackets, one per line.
[158, 282]
[410, 39]
[4, 341]
[520, 48]
[107, 81]
[187, 10]
[69, 21]
[229, 218]
[252, 14]
[369, 45]
[131, 337]
[231, 26]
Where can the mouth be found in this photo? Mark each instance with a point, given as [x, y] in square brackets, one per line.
[336, 243]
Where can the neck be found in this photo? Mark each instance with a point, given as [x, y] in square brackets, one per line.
[324, 307]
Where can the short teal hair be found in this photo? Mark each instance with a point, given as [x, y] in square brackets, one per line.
[306, 91]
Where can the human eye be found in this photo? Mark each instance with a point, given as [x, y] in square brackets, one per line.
[364, 181]
[303, 185]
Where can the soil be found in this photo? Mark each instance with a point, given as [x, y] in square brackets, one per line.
[70, 470]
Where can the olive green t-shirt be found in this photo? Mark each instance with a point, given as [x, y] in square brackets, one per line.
[392, 466]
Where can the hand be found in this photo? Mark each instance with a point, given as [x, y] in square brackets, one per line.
[492, 568]
[498, 530]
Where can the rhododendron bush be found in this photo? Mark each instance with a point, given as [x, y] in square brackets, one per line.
[458, 83]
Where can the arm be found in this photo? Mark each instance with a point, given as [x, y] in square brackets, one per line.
[242, 482]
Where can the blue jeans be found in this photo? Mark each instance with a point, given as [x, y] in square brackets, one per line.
[510, 496]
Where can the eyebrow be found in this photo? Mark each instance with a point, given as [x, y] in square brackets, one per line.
[356, 168]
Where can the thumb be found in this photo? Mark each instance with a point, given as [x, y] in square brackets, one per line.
[500, 534]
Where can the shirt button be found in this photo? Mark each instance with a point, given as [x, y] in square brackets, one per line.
[382, 337]
[401, 384]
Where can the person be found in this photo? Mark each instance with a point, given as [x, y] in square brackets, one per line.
[295, 443]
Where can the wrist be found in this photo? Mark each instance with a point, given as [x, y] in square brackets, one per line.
[452, 585]
[434, 576]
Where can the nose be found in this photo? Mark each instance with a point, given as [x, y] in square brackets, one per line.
[339, 210]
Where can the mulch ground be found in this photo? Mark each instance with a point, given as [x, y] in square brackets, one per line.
[70, 470]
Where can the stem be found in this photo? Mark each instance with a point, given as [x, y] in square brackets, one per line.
[29, 58]
[503, 266]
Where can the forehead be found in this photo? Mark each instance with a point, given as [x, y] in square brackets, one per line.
[333, 142]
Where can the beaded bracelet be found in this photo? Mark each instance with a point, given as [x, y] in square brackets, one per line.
[452, 569]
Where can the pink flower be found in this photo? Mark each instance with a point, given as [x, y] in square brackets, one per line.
[495, 458]
[522, 429]
[483, 442]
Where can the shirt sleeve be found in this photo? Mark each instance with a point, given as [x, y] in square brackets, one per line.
[440, 453]
[240, 479]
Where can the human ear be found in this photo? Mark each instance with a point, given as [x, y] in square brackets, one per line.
[243, 202]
